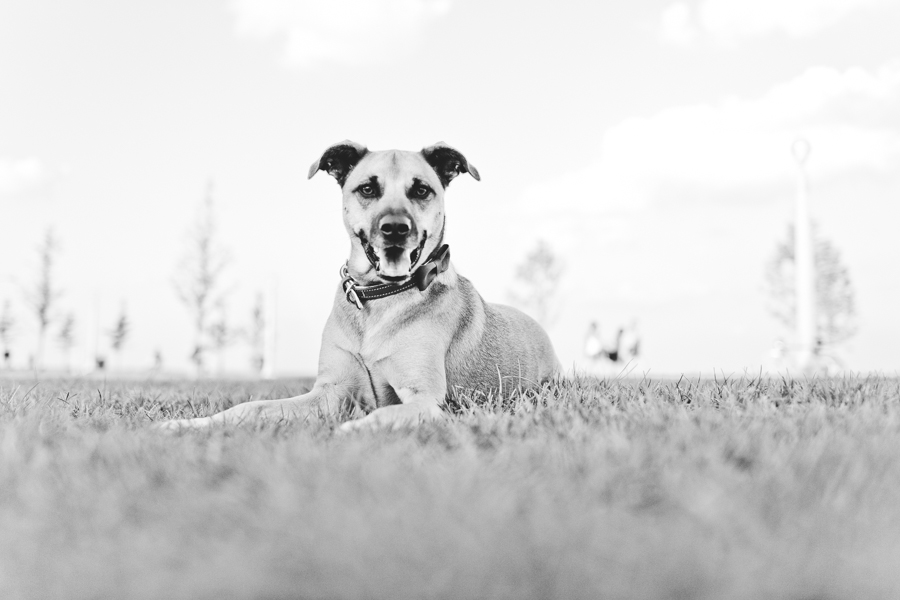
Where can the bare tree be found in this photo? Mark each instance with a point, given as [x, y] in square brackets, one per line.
[198, 281]
[7, 326]
[42, 297]
[118, 335]
[835, 304]
[256, 335]
[536, 283]
[66, 338]
[222, 335]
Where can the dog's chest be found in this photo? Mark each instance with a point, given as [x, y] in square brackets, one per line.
[377, 333]
[375, 350]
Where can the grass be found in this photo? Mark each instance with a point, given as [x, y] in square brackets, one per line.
[595, 489]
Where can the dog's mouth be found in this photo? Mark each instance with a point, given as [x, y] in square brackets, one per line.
[417, 253]
[390, 262]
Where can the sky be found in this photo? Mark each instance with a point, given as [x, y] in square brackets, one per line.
[648, 143]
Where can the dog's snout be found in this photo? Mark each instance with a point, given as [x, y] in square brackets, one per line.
[390, 228]
[395, 227]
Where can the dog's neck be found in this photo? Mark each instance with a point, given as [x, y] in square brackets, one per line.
[358, 294]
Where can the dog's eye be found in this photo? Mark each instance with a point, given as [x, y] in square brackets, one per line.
[366, 191]
[421, 191]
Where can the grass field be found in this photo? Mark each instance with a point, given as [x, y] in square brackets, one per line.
[595, 489]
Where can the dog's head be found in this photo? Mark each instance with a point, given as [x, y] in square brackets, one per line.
[393, 203]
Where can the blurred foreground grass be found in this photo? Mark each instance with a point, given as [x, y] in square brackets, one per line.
[596, 489]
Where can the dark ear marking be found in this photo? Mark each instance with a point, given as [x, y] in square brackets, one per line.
[339, 160]
[448, 162]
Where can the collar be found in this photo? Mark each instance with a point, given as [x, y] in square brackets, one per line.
[437, 263]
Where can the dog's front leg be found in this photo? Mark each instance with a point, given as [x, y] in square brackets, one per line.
[419, 380]
[323, 399]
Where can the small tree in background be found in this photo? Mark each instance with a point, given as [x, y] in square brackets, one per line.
[198, 280]
[536, 283]
[7, 325]
[256, 335]
[118, 335]
[66, 339]
[835, 305]
[222, 335]
[43, 296]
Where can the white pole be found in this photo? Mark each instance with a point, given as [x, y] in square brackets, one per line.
[804, 265]
[271, 327]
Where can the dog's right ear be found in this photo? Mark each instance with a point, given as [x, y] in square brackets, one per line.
[339, 160]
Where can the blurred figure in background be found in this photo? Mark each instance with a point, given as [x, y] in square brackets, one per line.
[606, 358]
[157, 363]
[593, 345]
[613, 352]
[631, 342]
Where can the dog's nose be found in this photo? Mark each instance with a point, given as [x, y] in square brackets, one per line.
[395, 227]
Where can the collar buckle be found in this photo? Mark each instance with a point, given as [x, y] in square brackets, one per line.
[349, 287]
[353, 298]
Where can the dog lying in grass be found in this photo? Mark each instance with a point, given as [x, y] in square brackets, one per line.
[405, 328]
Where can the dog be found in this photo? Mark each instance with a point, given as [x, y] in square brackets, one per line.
[405, 329]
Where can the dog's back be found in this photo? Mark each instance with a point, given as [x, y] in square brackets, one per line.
[496, 346]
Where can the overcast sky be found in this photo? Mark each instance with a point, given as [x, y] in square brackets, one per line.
[647, 142]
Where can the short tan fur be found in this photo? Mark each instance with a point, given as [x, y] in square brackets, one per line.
[400, 356]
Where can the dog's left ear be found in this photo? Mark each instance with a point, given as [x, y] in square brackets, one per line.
[339, 160]
[448, 162]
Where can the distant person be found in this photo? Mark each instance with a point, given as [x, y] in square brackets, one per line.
[593, 345]
[7, 358]
[612, 353]
[631, 342]
[100, 362]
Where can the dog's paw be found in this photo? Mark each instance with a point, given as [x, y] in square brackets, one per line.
[396, 416]
[355, 425]
[176, 425]
[170, 426]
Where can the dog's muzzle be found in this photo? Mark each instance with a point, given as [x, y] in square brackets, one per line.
[393, 245]
[379, 255]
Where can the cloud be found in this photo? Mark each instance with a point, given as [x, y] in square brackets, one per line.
[730, 21]
[851, 119]
[20, 175]
[676, 25]
[343, 31]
